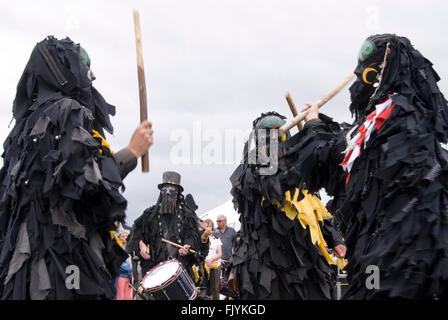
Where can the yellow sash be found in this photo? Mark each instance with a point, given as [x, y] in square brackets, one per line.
[207, 268]
[104, 143]
[113, 236]
[310, 211]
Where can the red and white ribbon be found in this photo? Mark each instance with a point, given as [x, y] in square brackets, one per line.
[374, 121]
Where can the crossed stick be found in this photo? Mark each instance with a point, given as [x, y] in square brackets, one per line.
[299, 117]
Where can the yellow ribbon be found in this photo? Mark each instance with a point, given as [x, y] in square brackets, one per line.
[309, 211]
[196, 273]
[104, 143]
[113, 236]
[207, 268]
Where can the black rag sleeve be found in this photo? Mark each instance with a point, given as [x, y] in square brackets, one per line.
[137, 233]
[332, 235]
[64, 190]
[126, 161]
[80, 175]
[315, 154]
[203, 249]
[193, 238]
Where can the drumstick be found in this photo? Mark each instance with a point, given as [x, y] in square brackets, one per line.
[136, 291]
[283, 129]
[177, 245]
[293, 108]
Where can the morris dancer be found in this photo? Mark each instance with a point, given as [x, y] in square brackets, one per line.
[285, 232]
[172, 218]
[60, 182]
[387, 172]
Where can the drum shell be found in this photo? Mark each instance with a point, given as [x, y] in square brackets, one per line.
[178, 287]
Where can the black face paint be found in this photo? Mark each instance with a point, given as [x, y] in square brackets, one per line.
[369, 62]
[360, 94]
[169, 195]
[362, 88]
[86, 75]
[369, 66]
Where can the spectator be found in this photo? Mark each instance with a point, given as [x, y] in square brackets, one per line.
[212, 262]
[227, 235]
[124, 291]
[230, 288]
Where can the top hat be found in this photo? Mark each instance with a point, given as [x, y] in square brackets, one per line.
[171, 178]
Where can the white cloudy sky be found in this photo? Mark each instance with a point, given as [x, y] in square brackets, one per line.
[211, 65]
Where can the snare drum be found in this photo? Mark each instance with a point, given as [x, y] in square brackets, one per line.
[169, 281]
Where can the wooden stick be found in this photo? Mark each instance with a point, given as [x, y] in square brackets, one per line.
[287, 126]
[293, 108]
[336, 90]
[141, 82]
[177, 245]
[136, 291]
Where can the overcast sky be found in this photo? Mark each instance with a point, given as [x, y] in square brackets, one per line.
[211, 68]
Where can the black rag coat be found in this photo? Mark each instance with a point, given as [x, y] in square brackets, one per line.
[59, 186]
[275, 257]
[393, 209]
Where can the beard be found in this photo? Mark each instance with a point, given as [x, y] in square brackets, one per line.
[168, 203]
[360, 94]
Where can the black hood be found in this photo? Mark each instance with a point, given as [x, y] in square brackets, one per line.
[408, 73]
[54, 70]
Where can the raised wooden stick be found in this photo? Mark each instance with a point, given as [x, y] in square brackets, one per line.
[287, 126]
[141, 82]
[293, 108]
[177, 245]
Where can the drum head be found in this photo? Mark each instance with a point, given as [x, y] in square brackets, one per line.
[160, 274]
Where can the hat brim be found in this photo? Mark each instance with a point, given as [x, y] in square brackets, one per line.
[160, 186]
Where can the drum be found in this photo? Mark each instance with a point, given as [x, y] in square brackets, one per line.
[169, 281]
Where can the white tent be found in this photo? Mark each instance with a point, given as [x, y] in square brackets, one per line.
[228, 211]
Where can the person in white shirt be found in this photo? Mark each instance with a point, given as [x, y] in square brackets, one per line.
[212, 262]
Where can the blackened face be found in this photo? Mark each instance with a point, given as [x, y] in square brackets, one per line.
[369, 60]
[86, 75]
[369, 66]
[169, 195]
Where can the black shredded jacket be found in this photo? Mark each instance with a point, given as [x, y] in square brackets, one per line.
[59, 188]
[394, 209]
[275, 257]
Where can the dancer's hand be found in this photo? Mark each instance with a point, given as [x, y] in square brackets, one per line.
[313, 112]
[141, 139]
[340, 250]
[144, 250]
[184, 250]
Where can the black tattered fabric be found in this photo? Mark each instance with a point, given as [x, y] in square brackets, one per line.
[276, 257]
[180, 227]
[393, 206]
[59, 185]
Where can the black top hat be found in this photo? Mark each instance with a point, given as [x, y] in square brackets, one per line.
[172, 178]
